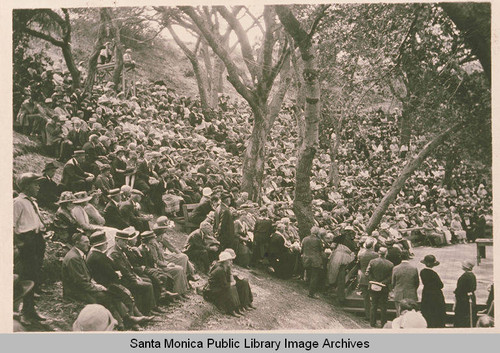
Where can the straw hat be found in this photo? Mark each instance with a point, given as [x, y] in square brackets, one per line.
[81, 197]
[225, 256]
[94, 317]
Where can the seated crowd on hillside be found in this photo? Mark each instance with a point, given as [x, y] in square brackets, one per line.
[130, 164]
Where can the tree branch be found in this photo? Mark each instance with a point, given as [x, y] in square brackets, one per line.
[31, 32]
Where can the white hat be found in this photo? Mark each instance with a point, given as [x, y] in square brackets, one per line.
[225, 256]
[94, 317]
[207, 192]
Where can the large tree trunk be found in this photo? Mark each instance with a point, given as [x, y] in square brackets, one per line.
[452, 160]
[254, 158]
[405, 126]
[333, 175]
[407, 171]
[302, 203]
[70, 63]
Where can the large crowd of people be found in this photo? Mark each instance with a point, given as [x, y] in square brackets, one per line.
[129, 164]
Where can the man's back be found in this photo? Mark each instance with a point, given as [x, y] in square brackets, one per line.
[380, 270]
[405, 281]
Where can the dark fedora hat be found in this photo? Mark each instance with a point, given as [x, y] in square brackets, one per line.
[147, 235]
[49, 166]
[430, 261]
[98, 238]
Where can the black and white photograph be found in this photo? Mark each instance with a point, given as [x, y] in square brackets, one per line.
[251, 167]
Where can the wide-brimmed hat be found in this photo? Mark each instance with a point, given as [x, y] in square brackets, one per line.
[81, 197]
[161, 223]
[79, 153]
[147, 235]
[98, 238]
[21, 288]
[94, 317]
[225, 256]
[467, 265]
[28, 178]
[128, 233]
[430, 261]
[114, 192]
[232, 252]
[65, 197]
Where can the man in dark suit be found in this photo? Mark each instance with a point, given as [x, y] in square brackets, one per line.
[74, 178]
[393, 252]
[49, 190]
[405, 281]
[203, 209]
[76, 279]
[112, 211]
[364, 259]
[102, 270]
[312, 259]
[141, 287]
[379, 272]
[227, 236]
[262, 232]
[130, 213]
[198, 249]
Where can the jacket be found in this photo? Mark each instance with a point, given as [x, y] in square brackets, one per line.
[405, 281]
[312, 252]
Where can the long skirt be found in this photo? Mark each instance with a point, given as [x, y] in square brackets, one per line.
[245, 295]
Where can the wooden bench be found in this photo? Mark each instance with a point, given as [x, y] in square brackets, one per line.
[187, 209]
[481, 245]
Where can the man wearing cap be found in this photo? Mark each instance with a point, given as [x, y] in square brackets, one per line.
[141, 287]
[74, 178]
[262, 232]
[198, 249]
[28, 238]
[112, 211]
[364, 259]
[465, 298]
[379, 272]
[405, 281]
[49, 190]
[312, 259]
[102, 271]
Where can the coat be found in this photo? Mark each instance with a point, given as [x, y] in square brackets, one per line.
[394, 255]
[200, 213]
[312, 252]
[76, 279]
[432, 305]
[227, 236]
[101, 268]
[122, 264]
[466, 285]
[341, 256]
[194, 243]
[364, 260]
[73, 176]
[380, 270]
[113, 216]
[49, 192]
[405, 281]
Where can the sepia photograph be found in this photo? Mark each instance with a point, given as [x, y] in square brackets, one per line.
[319, 166]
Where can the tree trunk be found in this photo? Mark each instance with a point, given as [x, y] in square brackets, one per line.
[407, 171]
[333, 175]
[302, 203]
[92, 65]
[254, 158]
[452, 160]
[70, 63]
[405, 127]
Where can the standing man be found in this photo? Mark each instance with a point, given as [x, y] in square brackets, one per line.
[262, 231]
[312, 259]
[29, 244]
[227, 236]
[364, 259]
[405, 281]
[465, 298]
[379, 274]
[49, 190]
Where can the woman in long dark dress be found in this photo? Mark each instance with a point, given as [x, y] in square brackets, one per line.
[433, 307]
[465, 299]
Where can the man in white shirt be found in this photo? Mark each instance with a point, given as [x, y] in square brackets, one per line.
[29, 244]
